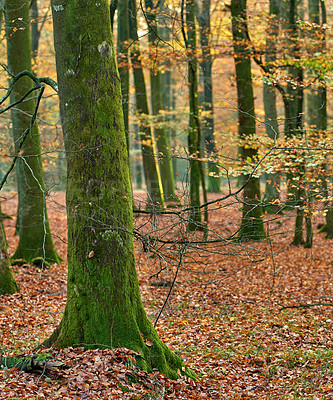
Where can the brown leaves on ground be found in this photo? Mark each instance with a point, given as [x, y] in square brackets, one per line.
[225, 318]
[94, 374]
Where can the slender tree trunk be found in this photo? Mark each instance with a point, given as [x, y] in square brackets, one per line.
[272, 188]
[35, 33]
[317, 100]
[174, 132]
[2, 3]
[104, 306]
[8, 284]
[294, 122]
[35, 239]
[149, 157]
[123, 60]
[323, 126]
[314, 105]
[214, 180]
[252, 226]
[194, 135]
[113, 9]
[164, 31]
[136, 146]
[165, 160]
[296, 194]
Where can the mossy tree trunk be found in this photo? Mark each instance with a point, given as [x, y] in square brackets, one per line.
[162, 142]
[104, 306]
[35, 239]
[272, 187]
[252, 226]
[149, 157]
[8, 284]
[194, 136]
[206, 64]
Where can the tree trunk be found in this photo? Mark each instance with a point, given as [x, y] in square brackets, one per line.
[214, 184]
[104, 306]
[149, 158]
[2, 3]
[295, 94]
[7, 281]
[35, 239]
[35, 33]
[123, 60]
[165, 160]
[294, 123]
[252, 226]
[164, 30]
[194, 136]
[317, 100]
[272, 188]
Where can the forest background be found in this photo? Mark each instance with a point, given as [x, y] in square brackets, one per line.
[252, 318]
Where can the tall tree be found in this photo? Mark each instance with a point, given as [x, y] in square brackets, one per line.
[8, 284]
[295, 100]
[104, 306]
[149, 157]
[294, 127]
[194, 134]
[35, 32]
[317, 98]
[123, 60]
[164, 30]
[206, 64]
[272, 187]
[252, 227]
[35, 239]
[165, 160]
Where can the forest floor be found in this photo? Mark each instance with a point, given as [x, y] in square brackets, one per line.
[253, 320]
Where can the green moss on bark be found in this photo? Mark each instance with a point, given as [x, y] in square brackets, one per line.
[104, 306]
[33, 228]
[252, 226]
[8, 284]
[193, 138]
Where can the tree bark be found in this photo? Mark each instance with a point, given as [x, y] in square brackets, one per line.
[164, 30]
[149, 157]
[8, 284]
[35, 33]
[317, 100]
[35, 239]
[272, 187]
[123, 61]
[252, 226]
[206, 64]
[104, 306]
[295, 95]
[194, 134]
[162, 142]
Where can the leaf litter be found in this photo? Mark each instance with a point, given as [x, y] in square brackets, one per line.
[254, 321]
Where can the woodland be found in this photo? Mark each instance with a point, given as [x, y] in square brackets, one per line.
[166, 199]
